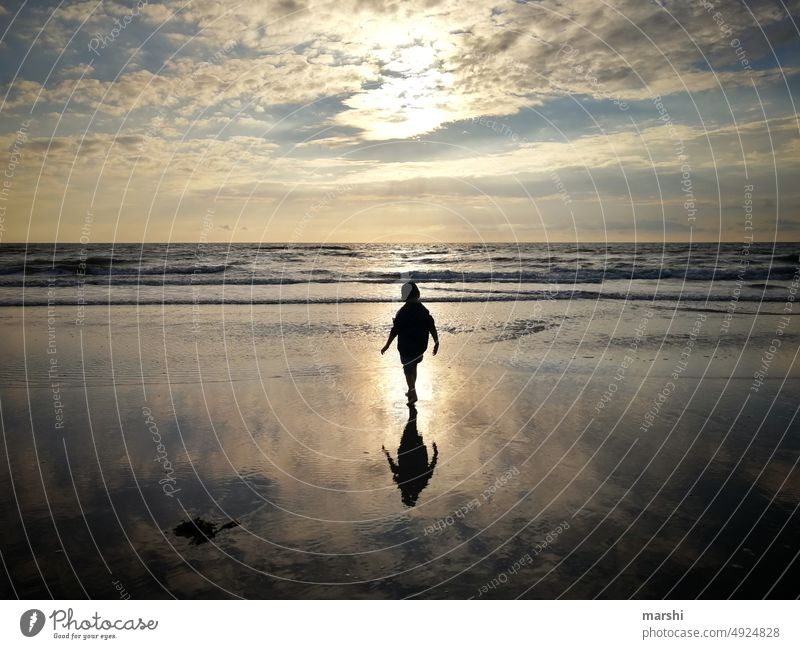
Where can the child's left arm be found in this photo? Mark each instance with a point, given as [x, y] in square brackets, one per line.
[434, 334]
[432, 465]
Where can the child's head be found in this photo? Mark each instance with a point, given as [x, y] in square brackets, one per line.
[409, 292]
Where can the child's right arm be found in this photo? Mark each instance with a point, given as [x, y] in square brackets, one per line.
[392, 336]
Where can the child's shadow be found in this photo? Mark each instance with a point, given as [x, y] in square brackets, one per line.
[412, 472]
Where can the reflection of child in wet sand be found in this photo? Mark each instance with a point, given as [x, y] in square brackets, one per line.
[412, 324]
[412, 472]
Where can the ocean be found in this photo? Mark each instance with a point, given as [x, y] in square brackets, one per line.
[38, 274]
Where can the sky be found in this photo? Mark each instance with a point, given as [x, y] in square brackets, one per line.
[417, 120]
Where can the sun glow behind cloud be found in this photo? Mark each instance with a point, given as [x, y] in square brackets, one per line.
[416, 93]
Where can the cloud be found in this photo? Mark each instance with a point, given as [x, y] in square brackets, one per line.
[215, 98]
[190, 87]
[427, 64]
[406, 69]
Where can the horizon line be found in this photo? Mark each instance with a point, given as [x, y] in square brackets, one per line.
[443, 243]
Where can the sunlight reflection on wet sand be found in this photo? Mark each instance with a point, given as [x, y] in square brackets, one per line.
[286, 451]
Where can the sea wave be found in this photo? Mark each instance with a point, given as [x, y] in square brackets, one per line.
[222, 274]
[530, 296]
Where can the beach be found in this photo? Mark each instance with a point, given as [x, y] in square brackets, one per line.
[584, 446]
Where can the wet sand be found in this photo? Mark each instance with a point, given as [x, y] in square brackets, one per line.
[578, 453]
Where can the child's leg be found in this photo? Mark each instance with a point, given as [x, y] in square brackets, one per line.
[410, 371]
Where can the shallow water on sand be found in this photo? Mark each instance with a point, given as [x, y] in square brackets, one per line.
[267, 451]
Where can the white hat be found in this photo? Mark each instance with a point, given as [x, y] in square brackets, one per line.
[406, 289]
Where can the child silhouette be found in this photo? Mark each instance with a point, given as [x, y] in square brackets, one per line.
[412, 324]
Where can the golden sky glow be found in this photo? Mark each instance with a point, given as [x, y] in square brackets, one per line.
[360, 121]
